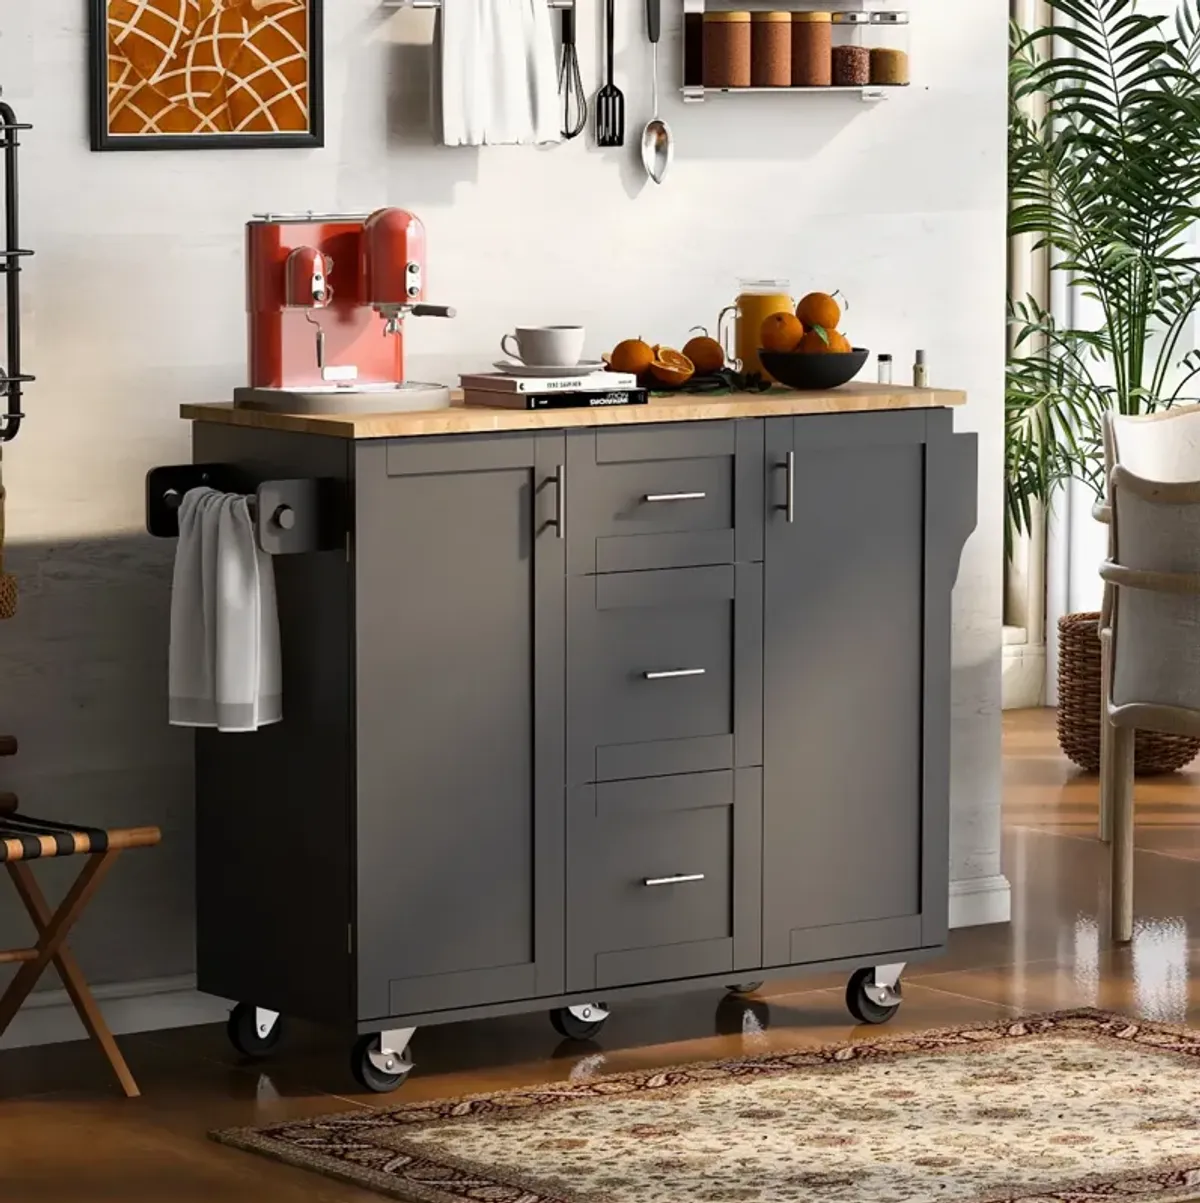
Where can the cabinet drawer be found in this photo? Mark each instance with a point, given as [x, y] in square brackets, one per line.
[656, 497]
[650, 880]
[664, 672]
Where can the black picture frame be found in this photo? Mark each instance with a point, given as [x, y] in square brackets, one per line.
[103, 140]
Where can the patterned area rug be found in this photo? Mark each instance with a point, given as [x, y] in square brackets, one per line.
[1074, 1107]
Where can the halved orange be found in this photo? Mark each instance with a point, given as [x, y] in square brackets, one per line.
[670, 368]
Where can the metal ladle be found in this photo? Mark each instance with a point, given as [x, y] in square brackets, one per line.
[657, 147]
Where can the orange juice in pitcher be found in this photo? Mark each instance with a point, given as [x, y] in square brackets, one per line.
[757, 300]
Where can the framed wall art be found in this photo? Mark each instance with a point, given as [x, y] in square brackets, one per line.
[197, 74]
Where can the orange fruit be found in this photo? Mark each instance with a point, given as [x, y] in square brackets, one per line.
[781, 332]
[819, 309]
[839, 343]
[632, 355]
[706, 353]
[670, 369]
[813, 344]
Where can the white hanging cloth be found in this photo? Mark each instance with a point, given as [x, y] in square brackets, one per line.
[499, 73]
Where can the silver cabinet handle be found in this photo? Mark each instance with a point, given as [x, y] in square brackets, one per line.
[675, 497]
[678, 879]
[560, 500]
[667, 674]
[789, 466]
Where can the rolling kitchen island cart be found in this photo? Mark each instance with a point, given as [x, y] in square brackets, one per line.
[582, 705]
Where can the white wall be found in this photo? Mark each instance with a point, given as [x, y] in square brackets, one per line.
[134, 304]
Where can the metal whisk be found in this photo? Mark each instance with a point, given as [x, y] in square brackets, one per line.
[570, 80]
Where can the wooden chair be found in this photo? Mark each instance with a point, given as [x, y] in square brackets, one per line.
[1151, 632]
[23, 839]
[1161, 446]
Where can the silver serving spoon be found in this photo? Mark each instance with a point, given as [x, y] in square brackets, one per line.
[657, 147]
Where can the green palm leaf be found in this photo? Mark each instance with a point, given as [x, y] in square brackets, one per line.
[1108, 180]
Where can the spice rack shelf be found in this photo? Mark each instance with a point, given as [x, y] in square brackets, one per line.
[855, 48]
[694, 93]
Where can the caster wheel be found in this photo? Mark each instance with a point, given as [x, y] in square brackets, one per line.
[739, 1015]
[744, 988]
[579, 1023]
[248, 1035]
[375, 1072]
[869, 1003]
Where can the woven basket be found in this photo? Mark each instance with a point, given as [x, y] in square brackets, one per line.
[1079, 706]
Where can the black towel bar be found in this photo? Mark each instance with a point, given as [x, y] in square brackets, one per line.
[290, 516]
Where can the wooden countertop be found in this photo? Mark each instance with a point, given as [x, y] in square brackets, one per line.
[461, 419]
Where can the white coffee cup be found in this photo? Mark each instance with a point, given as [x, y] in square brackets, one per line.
[545, 346]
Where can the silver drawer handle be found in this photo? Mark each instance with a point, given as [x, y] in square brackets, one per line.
[675, 496]
[679, 879]
[666, 674]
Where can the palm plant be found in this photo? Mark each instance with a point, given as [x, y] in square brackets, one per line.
[1105, 173]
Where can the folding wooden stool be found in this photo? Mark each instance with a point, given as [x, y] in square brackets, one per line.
[23, 839]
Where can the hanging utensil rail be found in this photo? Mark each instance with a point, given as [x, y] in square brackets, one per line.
[11, 377]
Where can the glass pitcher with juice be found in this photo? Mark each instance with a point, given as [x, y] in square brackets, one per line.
[757, 300]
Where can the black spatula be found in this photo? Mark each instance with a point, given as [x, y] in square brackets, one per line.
[610, 103]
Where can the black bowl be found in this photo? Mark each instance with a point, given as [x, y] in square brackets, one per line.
[815, 370]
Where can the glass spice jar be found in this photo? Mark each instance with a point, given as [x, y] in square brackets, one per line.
[727, 50]
[812, 49]
[851, 54]
[887, 40]
[771, 49]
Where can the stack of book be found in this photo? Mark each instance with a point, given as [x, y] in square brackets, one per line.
[498, 390]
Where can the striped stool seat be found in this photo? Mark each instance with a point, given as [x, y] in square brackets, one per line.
[23, 839]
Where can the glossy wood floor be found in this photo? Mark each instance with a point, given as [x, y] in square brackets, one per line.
[66, 1135]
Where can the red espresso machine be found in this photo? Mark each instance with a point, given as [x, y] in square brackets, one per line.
[327, 296]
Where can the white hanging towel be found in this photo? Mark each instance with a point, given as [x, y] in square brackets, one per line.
[225, 668]
[499, 76]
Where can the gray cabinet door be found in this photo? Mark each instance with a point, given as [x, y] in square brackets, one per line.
[859, 565]
[459, 575]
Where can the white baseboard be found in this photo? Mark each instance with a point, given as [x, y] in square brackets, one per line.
[1022, 675]
[980, 900]
[146, 1006]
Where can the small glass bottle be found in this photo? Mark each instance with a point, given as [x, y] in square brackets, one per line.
[885, 369]
[920, 371]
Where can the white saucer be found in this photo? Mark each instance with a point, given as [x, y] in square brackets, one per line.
[584, 368]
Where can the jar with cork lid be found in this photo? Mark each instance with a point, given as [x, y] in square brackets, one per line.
[727, 50]
[771, 49]
[812, 49]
